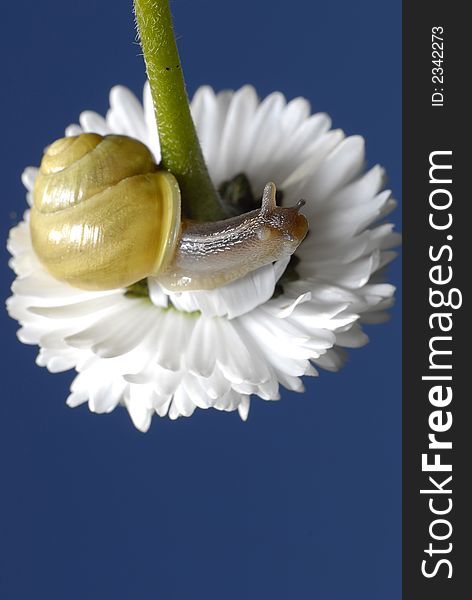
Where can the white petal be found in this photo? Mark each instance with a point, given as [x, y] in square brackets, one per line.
[174, 335]
[318, 152]
[201, 350]
[166, 382]
[340, 167]
[91, 121]
[150, 121]
[79, 309]
[216, 385]
[243, 408]
[56, 362]
[353, 337]
[112, 332]
[290, 306]
[126, 114]
[235, 137]
[73, 130]
[233, 299]
[140, 414]
[28, 177]
[157, 294]
[233, 357]
[105, 396]
[209, 123]
[182, 402]
[76, 399]
[196, 392]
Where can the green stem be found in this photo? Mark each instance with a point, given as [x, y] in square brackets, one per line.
[180, 148]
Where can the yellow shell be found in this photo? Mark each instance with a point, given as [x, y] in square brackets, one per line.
[103, 216]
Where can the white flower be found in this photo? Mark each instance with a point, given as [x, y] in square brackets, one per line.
[217, 348]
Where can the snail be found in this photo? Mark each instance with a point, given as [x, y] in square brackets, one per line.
[105, 216]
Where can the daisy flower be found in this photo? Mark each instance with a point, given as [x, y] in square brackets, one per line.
[163, 353]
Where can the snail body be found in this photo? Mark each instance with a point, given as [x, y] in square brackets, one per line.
[104, 216]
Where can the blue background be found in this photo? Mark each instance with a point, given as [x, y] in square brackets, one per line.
[303, 501]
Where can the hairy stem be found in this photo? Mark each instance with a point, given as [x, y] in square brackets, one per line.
[180, 148]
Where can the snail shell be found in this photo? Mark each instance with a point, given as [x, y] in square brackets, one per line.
[105, 216]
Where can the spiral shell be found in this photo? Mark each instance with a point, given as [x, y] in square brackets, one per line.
[103, 216]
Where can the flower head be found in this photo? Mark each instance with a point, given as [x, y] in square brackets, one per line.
[167, 353]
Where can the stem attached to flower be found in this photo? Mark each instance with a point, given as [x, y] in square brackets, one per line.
[180, 148]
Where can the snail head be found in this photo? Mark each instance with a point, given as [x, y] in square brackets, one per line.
[285, 224]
